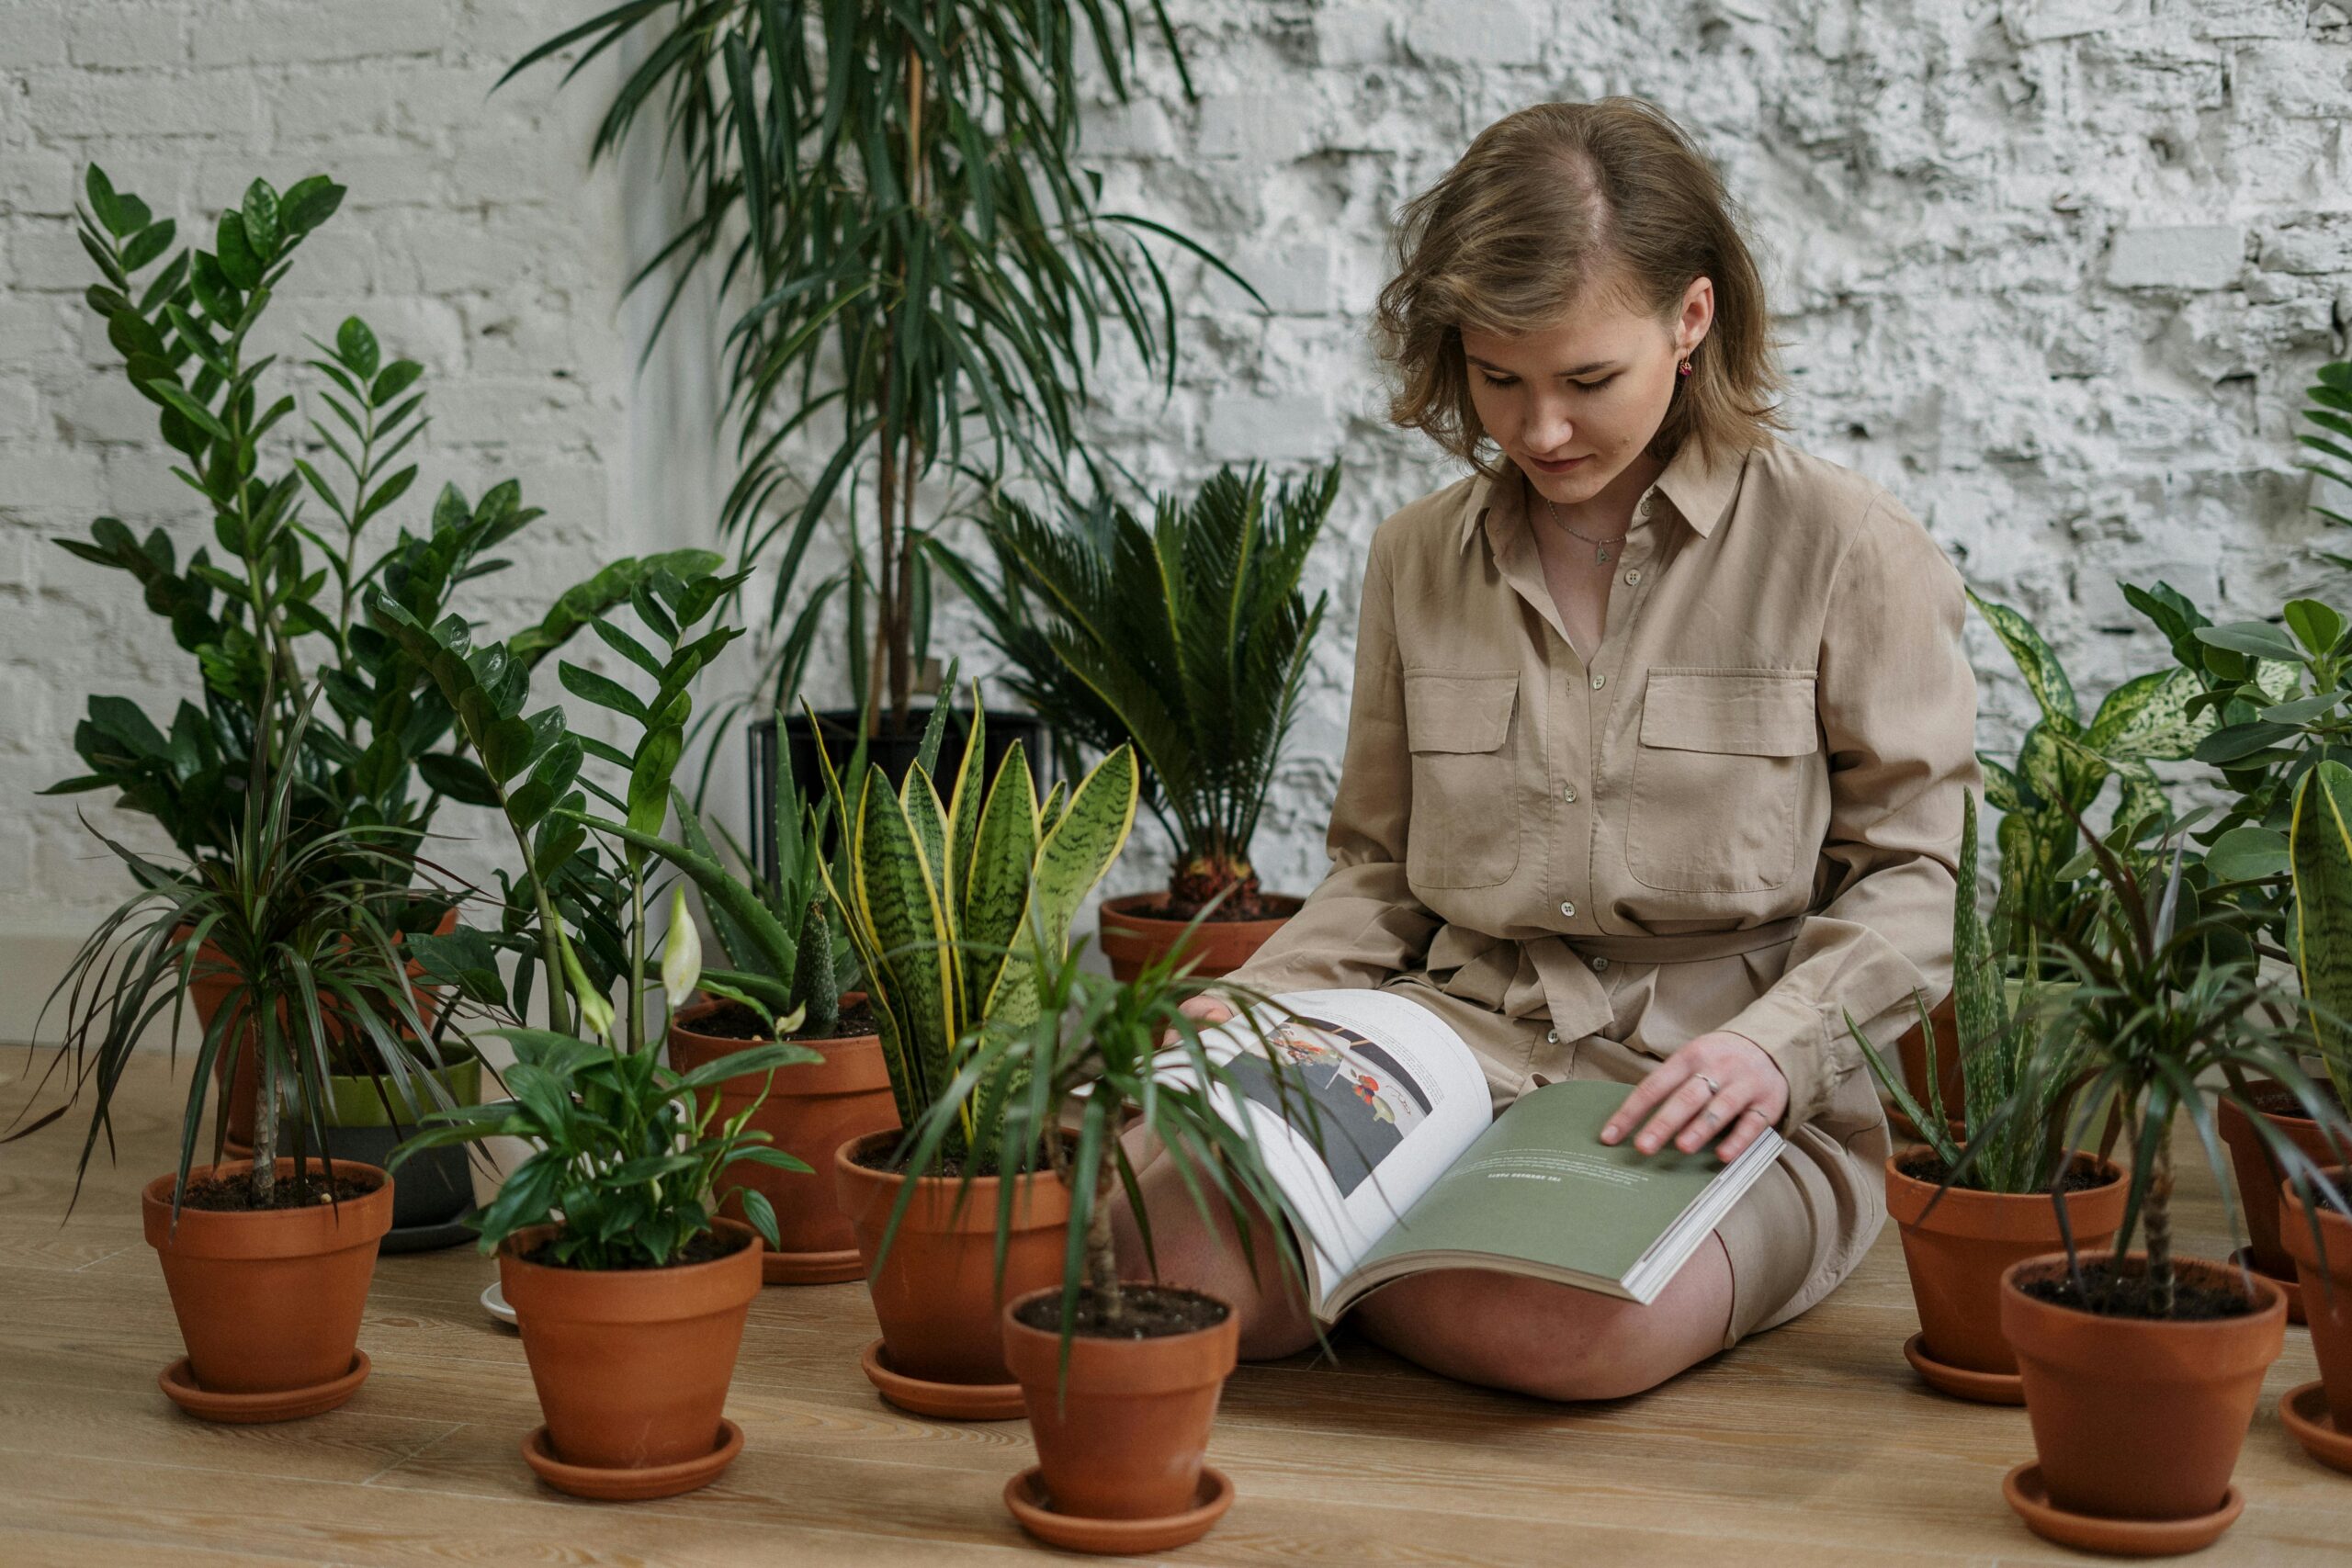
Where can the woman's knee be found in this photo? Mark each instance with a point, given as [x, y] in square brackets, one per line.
[1533, 1338]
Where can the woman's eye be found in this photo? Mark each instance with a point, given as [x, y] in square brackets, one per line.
[1498, 380]
[1595, 386]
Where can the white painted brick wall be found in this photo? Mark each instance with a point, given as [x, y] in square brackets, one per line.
[2055, 271]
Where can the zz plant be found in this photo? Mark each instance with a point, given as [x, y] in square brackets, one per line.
[269, 608]
[1189, 639]
[951, 907]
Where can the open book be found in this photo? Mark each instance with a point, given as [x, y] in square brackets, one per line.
[1416, 1171]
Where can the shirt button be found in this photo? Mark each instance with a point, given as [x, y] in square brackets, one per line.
[1599, 964]
[1569, 794]
[1550, 1037]
[1599, 680]
[1569, 910]
[1633, 578]
[1644, 509]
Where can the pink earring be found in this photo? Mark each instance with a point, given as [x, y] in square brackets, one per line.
[1683, 368]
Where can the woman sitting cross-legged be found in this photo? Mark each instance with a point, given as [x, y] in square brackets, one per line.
[1656, 753]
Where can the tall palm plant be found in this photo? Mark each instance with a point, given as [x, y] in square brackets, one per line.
[1189, 638]
[895, 189]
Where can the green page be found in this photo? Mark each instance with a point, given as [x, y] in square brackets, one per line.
[1540, 1187]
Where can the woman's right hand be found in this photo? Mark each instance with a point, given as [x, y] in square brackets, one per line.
[1201, 1010]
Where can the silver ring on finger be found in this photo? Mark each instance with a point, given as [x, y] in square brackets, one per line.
[1713, 1087]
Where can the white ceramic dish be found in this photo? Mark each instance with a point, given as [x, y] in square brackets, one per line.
[493, 1301]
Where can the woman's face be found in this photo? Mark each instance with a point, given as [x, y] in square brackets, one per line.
[1574, 405]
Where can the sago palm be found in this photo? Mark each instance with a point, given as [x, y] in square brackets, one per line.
[1189, 638]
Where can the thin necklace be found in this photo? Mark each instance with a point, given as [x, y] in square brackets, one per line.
[1600, 547]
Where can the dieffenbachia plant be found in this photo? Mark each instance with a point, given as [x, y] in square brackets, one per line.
[2063, 764]
[2320, 851]
[950, 906]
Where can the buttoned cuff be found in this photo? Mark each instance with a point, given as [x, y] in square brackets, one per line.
[1795, 1035]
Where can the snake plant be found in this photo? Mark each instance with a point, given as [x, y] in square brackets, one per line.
[2319, 848]
[949, 906]
[2007, 1144]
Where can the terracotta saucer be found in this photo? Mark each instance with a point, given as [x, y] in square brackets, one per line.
[2306, 1414]
[948, 1401]
[1024, 1495]
[1962, 1383]
[2122, 1537]
[812, 1268]
[2290, 1282]
[179, 1386]
[631, 1485]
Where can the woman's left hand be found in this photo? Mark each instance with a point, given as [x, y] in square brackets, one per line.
[1748, 1096]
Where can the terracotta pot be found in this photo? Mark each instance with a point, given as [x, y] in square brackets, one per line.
[1131, 938]
[631, 1365]
[2327, 1289]
[1123, 1436]
[1958, 1251]
[936, 1293]
[2258, 1175]
[2137, 1418]
[812, 1109]
[268, 1301]
[209, 992]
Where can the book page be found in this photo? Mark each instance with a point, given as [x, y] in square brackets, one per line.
[1539, 1193]
[1396, 1096]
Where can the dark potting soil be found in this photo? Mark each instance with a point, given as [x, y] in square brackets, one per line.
[1146, 1312]
[733, 1021]
[1262, 908]
[708, 1247]
[884, 1157]
[2113, 1295]
[1929, 1169]
[235, 1195]
[2274, 1099]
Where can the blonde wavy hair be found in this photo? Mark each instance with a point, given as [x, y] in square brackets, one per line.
[1548, 203]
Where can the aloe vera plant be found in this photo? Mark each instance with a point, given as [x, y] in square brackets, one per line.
[2320, 850]
[950, 907]
[2008, 1144]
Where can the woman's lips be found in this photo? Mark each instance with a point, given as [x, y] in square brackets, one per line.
[1561, 467]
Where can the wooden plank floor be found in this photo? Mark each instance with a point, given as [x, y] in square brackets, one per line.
[1810, 1445]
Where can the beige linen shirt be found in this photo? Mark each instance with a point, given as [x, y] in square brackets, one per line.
[1745, 804]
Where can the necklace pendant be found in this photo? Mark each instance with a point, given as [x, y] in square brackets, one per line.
[1600, 554]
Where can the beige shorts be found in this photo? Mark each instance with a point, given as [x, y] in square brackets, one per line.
[1781, 1239]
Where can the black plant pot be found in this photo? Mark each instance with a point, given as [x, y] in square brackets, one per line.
[895, 754]
[432, 1193]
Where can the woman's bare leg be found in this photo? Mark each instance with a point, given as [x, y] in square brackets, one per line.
[1531, 1337]
[1207, 1255]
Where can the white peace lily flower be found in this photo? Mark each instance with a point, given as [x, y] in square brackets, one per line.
[681, 953]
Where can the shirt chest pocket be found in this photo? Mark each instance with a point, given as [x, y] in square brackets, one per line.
[1464, 826]
[1722, 762]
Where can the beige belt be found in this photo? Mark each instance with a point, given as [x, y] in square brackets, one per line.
[1554, 974]
[1685, 947]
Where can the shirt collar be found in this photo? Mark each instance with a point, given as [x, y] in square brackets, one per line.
[1699, 484]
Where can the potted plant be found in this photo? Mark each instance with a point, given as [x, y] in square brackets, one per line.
[2141, 1368]
[283, 586]
[1120, 1378]
[2280, 694]
[629, 1289]
[2059, 770]
[2318, 1234]
[900, 192]
[786, 954]
[933, 899]
[2003, 1190]
[267, 1260]
[1190, 641]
